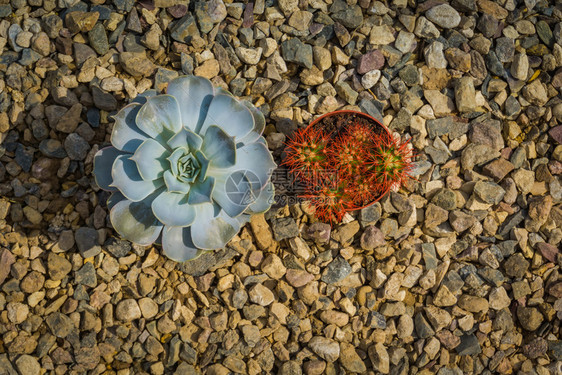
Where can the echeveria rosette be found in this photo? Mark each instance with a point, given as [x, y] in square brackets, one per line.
[172, 160]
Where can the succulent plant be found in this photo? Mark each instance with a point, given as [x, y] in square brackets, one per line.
[186, 169]
[348, 155]
[330, 197]
[306, 153]
[389, 162]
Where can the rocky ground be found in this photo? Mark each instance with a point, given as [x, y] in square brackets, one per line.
[457, 273]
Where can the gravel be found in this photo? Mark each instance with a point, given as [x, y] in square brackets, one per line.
[456, 272]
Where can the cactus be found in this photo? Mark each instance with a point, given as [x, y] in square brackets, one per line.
[389, 162]
[306, 153]
[330, 197]
[348, 155]
[363, 166]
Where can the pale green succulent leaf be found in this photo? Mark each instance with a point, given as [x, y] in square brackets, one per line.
[126, 135]
[234, 192]
[177, 244]
[127, 179]
[212, 228]
[172, 209]
[103, 163]
[143, 97]
[201, 191]
[219, 148]
[256, 158]
[229, 115]
[259, 124]
[135, 221]
[115, 198]
[174, 158]
[186, 138]
[203, 165]
[160, 118]
[220, 91]
[193, 95]
[151, 158]
[264, 200]
[243, 219]
[174, 185]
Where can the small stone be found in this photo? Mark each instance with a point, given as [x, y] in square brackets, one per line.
[136, 64]
[60, 324]
[185, 29]
[273, 266]
[498, 298]
[423, 329]
[300, 20]
[298, 278]
[370, 78]
[337, 270]
[249, 56]
[550, 252]
[69, 121]
[58, 266]
[76, 147]
[148, 308]
[251, 335]
[288, 6]
[372, 238]
[469, 345]
[319, 232]
[556, 133]
[294, 50]
[536, 348]
[351, 16]
[444, 15]
[261, 295]
[382, 35]
[444, 297]
[516, 265]
[370, 61]
[103, 100]
[405, 326]
[529, 317]
[465, 95]
[17, 312]
[87, 240]
[98, 39]
[128, 310]
[350, 360]
[346, 92]
[325, 348]
[284, 228]
[28, 365]
[520, 67]
[379, 358]
[535, 93]
[489, 192]
[209, 69]
[78, 21]
[86, 275]
[426, 29]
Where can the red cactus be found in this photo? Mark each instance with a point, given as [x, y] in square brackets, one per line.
[389, 161]
[364, 190]
[361, 133]
[345, 172]
[306, 153]
[331, 198]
